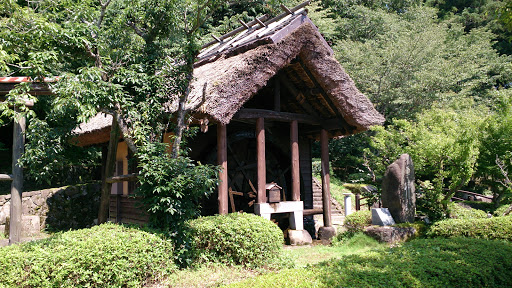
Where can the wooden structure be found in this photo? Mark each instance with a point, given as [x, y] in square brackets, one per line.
[18, 147]
[273, 87]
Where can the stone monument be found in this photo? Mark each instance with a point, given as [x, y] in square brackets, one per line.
[398, 192]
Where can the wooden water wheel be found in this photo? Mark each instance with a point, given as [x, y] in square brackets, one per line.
[242, 173]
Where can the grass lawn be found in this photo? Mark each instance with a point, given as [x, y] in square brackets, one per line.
[460, 262]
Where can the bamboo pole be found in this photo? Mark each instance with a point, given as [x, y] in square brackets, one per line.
[294, 142]
[326, 189]
[222, 160]
[106, 187]
[18, 148]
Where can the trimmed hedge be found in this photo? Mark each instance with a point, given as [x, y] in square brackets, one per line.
[236, 239]
[356, 221]
[488, 228]
[464, 211]
[108, 255]
[502, 209]
[459, 262]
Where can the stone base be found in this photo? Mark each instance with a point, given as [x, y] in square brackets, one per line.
[294, 208]
[299, 237]
[326, 233]
[391, 235]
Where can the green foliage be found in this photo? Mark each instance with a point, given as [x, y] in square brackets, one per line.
[106, 255]
[461, 211]
[355, 240]
[420, 227]
[418, 263]
[501, 210]
[444, 146]
[405, 62]
[172, 188]
[236, 239]
[489, 228]
[496, 145]
[356, 221]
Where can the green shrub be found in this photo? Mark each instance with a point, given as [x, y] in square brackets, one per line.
[458, 262]
[421, 228]
[236, 238]
[484, 206]
[108, 255]
[488, 228]
[501, 210]
[463, 211]
[356, 221]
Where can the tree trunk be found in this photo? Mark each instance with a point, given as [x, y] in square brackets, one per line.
[109, 171]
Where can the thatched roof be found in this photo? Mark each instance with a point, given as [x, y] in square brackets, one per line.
[94, 131]
[291, 50]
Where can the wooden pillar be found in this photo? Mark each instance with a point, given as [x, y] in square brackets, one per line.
[326, 189]
[260, 148]
[106, 188]
[18, 147]
[294, 142]
[222, 160]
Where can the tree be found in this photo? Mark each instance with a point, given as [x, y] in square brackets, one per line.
[444, 146]
[124, 58]
[405, 62]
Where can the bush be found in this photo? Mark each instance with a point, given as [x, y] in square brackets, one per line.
[108, 255]
[489, 228]
[459, 262]
[236, 238]
[501, 210]
[484, 206]
[463, 211]
[356, 221]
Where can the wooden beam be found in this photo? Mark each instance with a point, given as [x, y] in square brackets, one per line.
[299, 96]
[222, 161]
[309, 212]
[246, 113]
[260, 148]
[294, 143]
[109, 171]
[18, 147]
[122, 178]
[326, 192]
[6, 177]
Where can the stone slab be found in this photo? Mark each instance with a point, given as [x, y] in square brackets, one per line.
[382, 217]
[398, 191]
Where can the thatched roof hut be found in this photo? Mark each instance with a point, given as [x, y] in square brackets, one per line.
[236, 68]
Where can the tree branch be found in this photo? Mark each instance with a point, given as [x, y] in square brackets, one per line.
[136, 29]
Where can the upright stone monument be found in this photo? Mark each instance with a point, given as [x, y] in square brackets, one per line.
[398, 190]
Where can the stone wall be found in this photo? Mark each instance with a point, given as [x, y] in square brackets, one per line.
[64, 208]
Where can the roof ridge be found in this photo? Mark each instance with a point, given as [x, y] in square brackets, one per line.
[256, 21]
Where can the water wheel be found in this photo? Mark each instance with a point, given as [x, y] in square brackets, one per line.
[242, 171]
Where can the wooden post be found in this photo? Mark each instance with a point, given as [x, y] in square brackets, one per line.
[294, 142]
[358, 202]
[106, 187]
[18, 147]
[326, 189]
[260, 147]
[222, 160]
